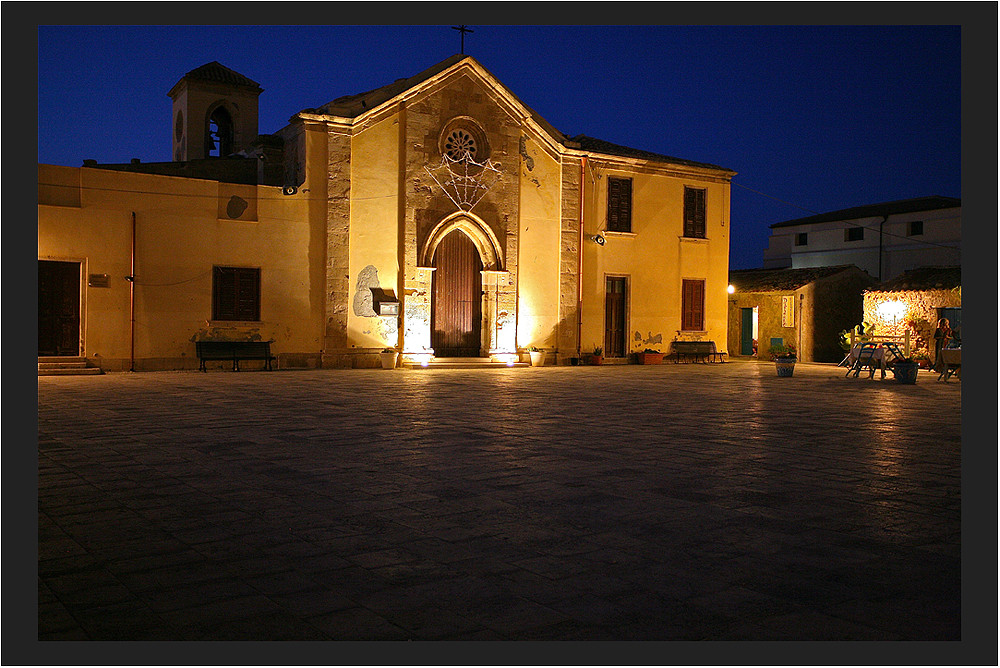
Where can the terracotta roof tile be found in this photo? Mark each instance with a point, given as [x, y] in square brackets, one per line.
[600, 146]
[923, 278]
[215, 71]
[781, 280]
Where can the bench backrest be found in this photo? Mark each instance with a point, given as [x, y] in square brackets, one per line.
[231, 348]
[694, 346]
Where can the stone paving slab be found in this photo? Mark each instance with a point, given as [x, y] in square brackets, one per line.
[673, 502]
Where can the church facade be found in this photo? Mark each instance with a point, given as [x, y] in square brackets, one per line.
[438, 216]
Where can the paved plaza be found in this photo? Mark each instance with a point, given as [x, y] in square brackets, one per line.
[673, 502]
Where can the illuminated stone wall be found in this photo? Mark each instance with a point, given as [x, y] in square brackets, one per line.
[894, 313]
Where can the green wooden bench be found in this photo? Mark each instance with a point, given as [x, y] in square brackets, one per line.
[233, 351]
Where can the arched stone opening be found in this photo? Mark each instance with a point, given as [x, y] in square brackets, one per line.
[497, 328]
[219, 132]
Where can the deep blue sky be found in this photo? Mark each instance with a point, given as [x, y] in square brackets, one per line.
[813, 118]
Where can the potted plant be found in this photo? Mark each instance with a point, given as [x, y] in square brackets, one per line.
[537, 356]
[597, 357]
[861, 333]
[922, 359]
[649, 356]
[388, 356]
[905, 370]
[784, 359]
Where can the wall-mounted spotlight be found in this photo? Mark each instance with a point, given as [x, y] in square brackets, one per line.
[598, 239]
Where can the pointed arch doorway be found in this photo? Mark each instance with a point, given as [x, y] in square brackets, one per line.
[457, 306]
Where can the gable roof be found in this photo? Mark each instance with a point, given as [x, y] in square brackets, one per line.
[216, 72]
[352, 106]
[872, 210]
[782, 280]
[923, 278]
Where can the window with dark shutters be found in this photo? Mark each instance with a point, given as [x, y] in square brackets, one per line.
[619, 204]
[236, 293]
[694, 212]
[693, 306]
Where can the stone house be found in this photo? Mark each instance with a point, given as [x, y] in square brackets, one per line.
[914, 301]
[807, 308]
[437, 215]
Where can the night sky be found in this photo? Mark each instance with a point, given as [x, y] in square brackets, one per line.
[813, 118]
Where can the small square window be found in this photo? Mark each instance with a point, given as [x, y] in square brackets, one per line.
[801, 239]
[854, 234]
[914, 228]
[236, 293]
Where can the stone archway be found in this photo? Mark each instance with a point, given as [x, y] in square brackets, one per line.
[497, 293]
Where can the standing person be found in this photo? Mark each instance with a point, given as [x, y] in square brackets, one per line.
[941, 337]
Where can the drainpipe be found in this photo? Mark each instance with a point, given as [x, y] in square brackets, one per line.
[579, 268]
[884, 218]
[131, 304]
[798, 321]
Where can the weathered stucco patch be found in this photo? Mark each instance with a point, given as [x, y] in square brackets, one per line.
[529, 162]
[363, 302]
[651, 340]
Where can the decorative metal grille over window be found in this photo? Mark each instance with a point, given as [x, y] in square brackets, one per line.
[465, 181]
[465, 172]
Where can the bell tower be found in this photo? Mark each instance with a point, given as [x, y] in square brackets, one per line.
[214, 113]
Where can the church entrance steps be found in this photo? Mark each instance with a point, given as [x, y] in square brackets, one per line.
[66, 366]
[464, 363]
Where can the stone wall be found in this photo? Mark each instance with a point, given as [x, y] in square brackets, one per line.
[919, 317]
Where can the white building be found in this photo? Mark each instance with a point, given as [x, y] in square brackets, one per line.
[882, 239]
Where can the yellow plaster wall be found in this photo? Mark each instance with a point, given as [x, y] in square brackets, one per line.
[375, 228]
[179, 238]
[655, 258]
[538, 249]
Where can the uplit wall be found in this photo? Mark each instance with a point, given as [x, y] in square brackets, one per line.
[538, 249]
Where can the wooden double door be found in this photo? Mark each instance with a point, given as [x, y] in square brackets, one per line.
[457, 311]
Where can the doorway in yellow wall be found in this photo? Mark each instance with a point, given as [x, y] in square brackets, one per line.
[58, 308]
[615, 303]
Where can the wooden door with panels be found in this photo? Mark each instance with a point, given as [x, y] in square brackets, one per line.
[615, 304]
[457, 313]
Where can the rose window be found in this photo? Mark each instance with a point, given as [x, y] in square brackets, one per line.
[459, 145]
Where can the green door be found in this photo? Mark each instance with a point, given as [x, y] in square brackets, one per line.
[746, 331]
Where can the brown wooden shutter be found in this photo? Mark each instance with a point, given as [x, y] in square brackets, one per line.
[693, 306]
[236, 293]
[694, 213]
[619, 204]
